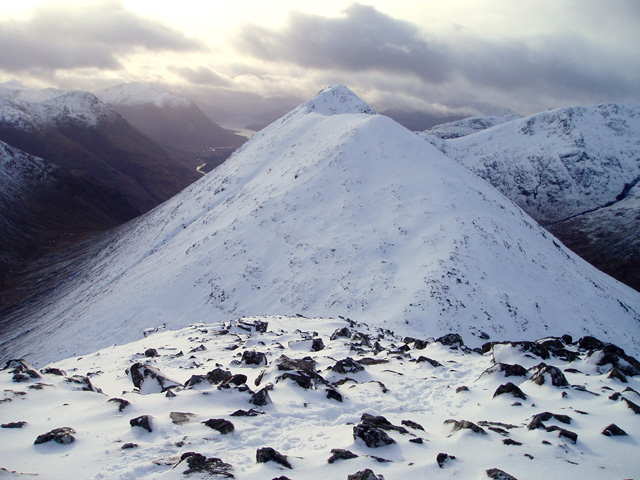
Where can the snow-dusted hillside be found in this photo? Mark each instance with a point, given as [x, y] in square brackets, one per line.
[309, 398]
[141, 93]
[467, 126]
[328, 214]
[559, 163]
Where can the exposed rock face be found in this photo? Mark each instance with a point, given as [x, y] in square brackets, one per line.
[373, 437]
[143, 421]
[149, 379]
[347, 365]
[510, 388]
[268, 454]
[366, 474]
[199, 463]
[221, 425]
[341, 454]
[555, 374]
[613, 431]
[63, 435]
[251, 357]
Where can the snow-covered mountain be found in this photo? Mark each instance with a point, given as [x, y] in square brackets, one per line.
[332, 210]
[177, 124]
[569, 169]
[469, 125]
[77, 131]
[269, 398]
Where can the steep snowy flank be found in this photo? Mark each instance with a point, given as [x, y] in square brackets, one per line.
[321, 398]
[325, 215]
[559, 163]
[141, 93]
[335, 100]
[467, 126]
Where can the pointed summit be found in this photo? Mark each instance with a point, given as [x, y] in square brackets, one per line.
[335, 100]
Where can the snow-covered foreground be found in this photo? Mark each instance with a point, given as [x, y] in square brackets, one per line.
[316, 400]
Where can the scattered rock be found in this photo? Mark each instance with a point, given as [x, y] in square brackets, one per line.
[564, 433]
[19, 424]
[63, 435]
[217, 375]
[373, 437]
[53, 371]
[379, 421]
[317, 344]
[555, 374]
[343, 332]
[151, 352]
[252, 357]
[464, 425]
[510, 388]
[236, 379]
[347, 365]
[180, 418]
[333, 394]
[143, 421]
[412, 424]
[509, 370]
[634, 407]
[83, 383]
[451, 340]
[247, 413]
[462, 388]
[198, 463]
[433, 363]
[149, 379]
[509, 441]
[128, 446]
[617, 374]
[261, 397]
[611, 431]
[443, 458]
[196, 380]
[221, 425]
[268, 454]
[366, 474]
[122, 404]
[498, 474]
[199, 348]
[417, 440]
[340, 454]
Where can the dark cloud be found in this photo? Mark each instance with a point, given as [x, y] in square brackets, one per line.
[202, 76]
[362, 39]
[95, 35]
[561, 65]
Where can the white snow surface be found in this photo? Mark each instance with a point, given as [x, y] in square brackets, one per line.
[559, 163]
[467, 126]
[141, 93]
[334, 214]
[29, 108]
[304, 424]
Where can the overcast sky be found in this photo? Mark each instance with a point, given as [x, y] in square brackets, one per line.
[445, 56]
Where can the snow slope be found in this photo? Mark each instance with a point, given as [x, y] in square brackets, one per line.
[332, 210]
[420, 388]
[467, 126]
[141, 93]
[559, 163]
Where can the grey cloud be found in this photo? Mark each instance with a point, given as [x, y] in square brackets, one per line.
[202, 76]
[95, 35]
[363, 39]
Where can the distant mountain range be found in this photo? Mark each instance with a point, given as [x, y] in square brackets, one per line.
[334, 210]
[575, 170]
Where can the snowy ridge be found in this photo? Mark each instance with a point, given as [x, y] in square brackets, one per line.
[331, 398]
[327, 215]
[20, 172]
[467, 126]
[559, 163]
[335, 100]
[141, 93]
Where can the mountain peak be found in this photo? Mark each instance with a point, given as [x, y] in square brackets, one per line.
[336, 100]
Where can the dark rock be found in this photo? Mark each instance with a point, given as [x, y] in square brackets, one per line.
[433, 363]
[498, 474]
[128, 446]
[514, 370]
[220, 424]
[252, 357]
[617, 374]
[281, 477]
[247, 413]
[443, 458]
[83, 382]
[563, 433]
[557, 377]
[146, 377]
[170, 394]
[589, 343]
[306, 364]
[380, 459]
[340, 454]
[634, 407]
[317, 344]
[451, 340]
[63, 435]
[217, 375]
[509, 441]
[411, 424]
[143, 421]
[199, 348]
[196, 380]
[236, 379]
[268, 454]
[524, 347]
[610, 431]
[361, 340]
[333, 394]
[510, 388]
[347, 365]
[20, 377]
[53, 371]
[14, 424]
[416, 440]
[373, 437]
[567, 339]
[420, 344]
[198, 463]
[562, 418]
[379, 421]
[462, 388]
[261, 397]
[464, 425]
[180, 418]
[122, 404]
[372, 361]
[151, 352]
[343, 332]
[610, 354]
[537, 419]
[365, 475]
[19, 365]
